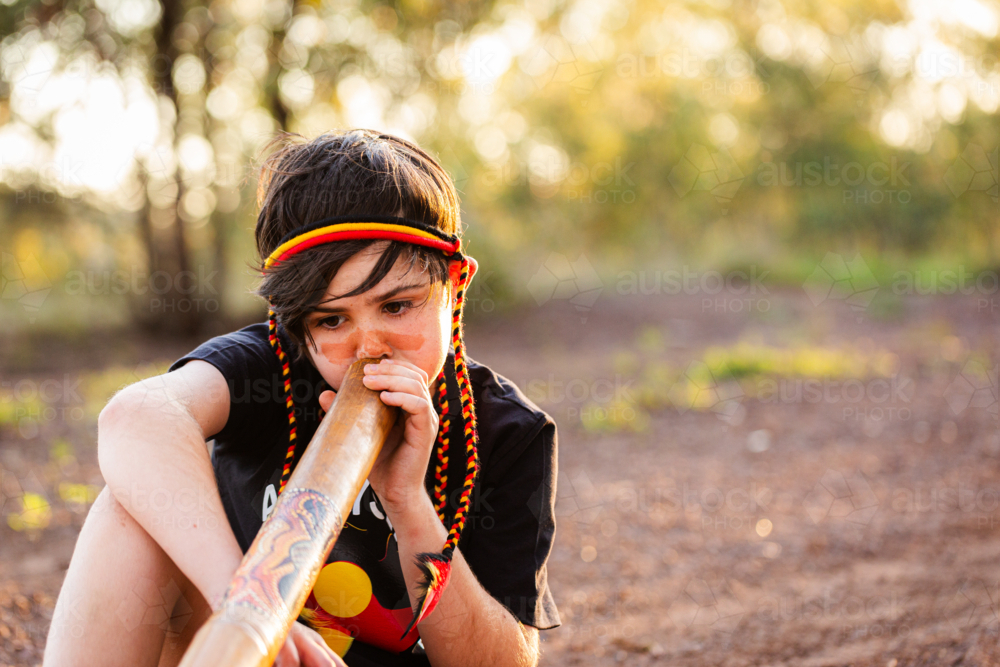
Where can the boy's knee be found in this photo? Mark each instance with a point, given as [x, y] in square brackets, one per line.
[107, 507]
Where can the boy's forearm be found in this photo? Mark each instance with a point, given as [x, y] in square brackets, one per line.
[468, 626]
[156, 464]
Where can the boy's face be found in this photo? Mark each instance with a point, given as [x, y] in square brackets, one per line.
[404, 317]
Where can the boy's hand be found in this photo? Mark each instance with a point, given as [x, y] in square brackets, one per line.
[399, 471]
[304, 647]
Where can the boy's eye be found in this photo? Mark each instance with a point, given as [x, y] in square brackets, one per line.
[397, 307]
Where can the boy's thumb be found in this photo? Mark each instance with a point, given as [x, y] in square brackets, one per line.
[326, 399]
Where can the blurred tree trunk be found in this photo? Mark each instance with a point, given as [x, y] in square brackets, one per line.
[271, 88]
[218, 221]
[166, 311]
[146, 226]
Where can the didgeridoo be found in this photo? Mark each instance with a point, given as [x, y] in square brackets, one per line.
[281, 566]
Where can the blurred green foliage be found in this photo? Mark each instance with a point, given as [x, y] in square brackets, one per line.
[720, 135]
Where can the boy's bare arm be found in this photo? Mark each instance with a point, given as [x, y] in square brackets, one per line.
[152, 453]
[468, 627]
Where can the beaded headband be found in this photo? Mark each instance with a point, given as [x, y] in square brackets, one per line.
[434, 567]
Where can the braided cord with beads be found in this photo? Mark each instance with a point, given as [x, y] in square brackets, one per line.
[468, 417]
[286, 373]
[441, 467]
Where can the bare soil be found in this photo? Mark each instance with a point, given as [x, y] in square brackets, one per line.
[846, 530]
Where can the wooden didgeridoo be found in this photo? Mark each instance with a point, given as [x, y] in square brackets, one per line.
[281, 566]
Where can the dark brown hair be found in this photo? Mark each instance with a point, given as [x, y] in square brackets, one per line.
[345, 173]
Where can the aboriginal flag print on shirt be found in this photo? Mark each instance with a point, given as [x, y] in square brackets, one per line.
[359, 603]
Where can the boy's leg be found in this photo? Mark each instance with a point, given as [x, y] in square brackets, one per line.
[122, 597]
[189, 614]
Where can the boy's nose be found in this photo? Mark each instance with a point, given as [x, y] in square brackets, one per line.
[374, 346]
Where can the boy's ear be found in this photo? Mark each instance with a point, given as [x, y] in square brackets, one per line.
[454, 269]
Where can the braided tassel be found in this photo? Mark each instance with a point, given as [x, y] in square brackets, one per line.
[441, 468]
[435, 568]
[272, 326]
[286, 470]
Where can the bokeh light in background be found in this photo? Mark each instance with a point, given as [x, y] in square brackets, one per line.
[657, 132]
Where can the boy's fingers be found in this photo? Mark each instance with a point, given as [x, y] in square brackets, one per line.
[399, 363]
[326, 399]
[388, 367]
[397, 383]
[315, 653]
[414, 405]
[416, 369]
[288, 656]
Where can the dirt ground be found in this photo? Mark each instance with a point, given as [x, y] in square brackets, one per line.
[856, 522]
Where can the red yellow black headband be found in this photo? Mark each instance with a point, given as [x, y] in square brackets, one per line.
[351, 227]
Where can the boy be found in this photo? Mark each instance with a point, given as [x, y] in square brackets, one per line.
[357, 235]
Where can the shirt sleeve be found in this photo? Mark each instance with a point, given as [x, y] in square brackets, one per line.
[515, 527]
[253, 401]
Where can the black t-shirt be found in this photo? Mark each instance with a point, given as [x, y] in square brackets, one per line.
[360, 596]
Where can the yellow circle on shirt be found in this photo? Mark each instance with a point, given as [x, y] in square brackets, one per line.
[338, 641]
[343, 589]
